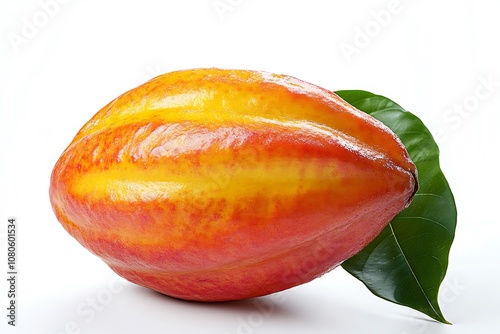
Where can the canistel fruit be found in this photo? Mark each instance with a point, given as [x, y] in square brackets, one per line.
[216, 185]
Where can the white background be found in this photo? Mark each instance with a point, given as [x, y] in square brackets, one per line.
[59, 64]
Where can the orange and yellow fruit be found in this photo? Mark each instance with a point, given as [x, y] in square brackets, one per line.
[215, 185]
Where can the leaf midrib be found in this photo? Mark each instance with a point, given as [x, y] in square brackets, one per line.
[412, 272]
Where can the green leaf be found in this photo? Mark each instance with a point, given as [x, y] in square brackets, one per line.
[407, 262]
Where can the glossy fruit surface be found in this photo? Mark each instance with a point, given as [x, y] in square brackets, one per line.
[214, 185]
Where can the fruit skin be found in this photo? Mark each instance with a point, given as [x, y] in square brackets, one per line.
[216, 185]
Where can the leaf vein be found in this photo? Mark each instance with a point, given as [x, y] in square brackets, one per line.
[428, 219]
[430, 194]
[411, 270]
